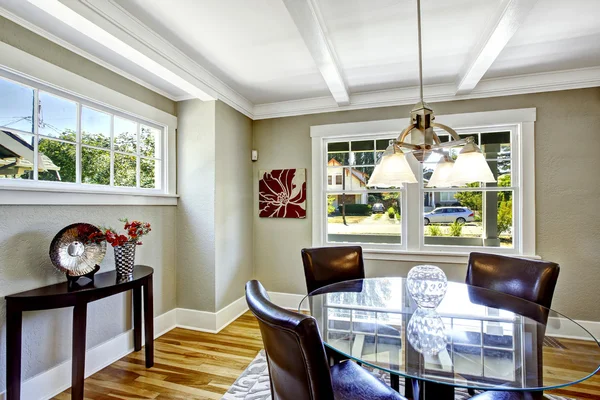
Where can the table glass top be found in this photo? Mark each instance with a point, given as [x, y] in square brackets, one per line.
[475, 338]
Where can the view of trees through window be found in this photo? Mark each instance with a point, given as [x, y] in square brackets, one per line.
[110, 147]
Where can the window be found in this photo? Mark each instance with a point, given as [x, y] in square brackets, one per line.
[497, 217]
[490, 202]
[51, 139]
[356, 214]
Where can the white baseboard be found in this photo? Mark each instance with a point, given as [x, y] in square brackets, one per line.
[230, 313]
[165, 322]
[288, 300]
[211, 322]
[565, 328]
[203, 321]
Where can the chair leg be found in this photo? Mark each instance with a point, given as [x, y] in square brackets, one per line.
[395, 382]
[411, 388]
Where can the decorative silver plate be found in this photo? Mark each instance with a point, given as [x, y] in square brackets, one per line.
[71, 251]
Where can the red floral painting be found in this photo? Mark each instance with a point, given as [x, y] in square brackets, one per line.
[282, 193]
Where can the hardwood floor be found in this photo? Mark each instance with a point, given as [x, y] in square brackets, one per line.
[196, 365]
[187, 365]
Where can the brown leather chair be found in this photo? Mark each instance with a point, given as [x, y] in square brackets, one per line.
[327, 265]
[296, 357]
[531, 280]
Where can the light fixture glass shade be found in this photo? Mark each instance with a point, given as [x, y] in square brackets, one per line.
[442, 174]
[471, 166]
[392, 171]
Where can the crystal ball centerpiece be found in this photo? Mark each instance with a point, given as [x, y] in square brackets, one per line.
[427, 285]
[426, 332]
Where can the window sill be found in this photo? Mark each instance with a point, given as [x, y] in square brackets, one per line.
[26, 196]
[438, 257]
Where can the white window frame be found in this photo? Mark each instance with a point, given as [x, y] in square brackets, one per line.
[32, 192]
[520, 122]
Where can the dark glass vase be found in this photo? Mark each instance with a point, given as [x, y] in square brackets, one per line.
[124, 261]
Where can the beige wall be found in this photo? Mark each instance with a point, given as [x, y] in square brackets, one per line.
[23, 39]
[195, 240]
[233, 208]
[567, 144]
[215, 206]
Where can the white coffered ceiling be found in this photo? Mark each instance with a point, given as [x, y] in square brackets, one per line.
[272, 58]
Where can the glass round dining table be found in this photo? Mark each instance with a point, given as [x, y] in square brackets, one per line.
[476, 338]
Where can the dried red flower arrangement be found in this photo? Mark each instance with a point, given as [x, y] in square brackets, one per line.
[134, 231]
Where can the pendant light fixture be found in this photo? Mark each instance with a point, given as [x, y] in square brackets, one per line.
[442, 174]
[393, 170]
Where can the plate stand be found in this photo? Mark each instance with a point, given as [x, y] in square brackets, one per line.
[81, 281]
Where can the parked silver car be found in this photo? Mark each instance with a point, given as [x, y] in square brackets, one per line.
[378, 208]
[449, 215]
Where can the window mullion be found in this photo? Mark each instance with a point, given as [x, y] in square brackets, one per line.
[78, 155]
[36, 142]
[138, 159]
[414, 215]
[112, 150]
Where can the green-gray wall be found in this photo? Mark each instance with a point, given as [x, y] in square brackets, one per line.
[215, 244]
[567, 192]
[233, 205]
[195, 241]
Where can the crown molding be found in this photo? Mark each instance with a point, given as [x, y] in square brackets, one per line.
[122, 20]
[496, 87]
[63, 43]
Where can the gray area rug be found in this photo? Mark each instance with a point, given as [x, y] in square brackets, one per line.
[253, 384]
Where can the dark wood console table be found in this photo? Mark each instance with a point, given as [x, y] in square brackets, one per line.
[58, 296]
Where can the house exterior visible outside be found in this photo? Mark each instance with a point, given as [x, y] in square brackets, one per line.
[340, 179]
[16, 157]
[439, 199]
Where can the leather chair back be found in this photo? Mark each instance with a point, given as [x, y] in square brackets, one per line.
[295, 354]
[531, 280]
[327, 265]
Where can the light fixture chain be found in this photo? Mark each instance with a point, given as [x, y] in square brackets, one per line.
[420, 48]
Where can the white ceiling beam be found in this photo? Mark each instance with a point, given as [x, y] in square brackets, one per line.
[308, 20]
[507, 20]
